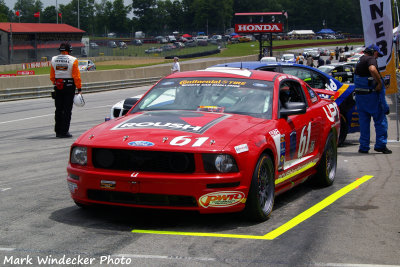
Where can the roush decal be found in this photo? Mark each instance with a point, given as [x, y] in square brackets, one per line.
[241, 148]
[141, 143]
[331, 111]
[222, 199]
[192, 122]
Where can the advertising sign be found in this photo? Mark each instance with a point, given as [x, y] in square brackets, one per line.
[259, 27]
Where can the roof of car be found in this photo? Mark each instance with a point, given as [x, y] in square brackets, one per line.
[228, 73]
[257, 64]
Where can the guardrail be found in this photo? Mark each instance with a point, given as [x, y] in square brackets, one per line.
[45, 91]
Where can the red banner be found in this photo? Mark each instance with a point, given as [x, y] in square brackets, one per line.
[17, 13]
[36, 15]
[8, 75]
[259, 27]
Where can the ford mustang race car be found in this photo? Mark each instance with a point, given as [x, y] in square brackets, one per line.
[209, 141]
[342, 93]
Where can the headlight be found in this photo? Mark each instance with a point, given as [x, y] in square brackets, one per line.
[219, 163]
[79, 155]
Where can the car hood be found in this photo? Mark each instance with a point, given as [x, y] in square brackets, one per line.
[163, 130]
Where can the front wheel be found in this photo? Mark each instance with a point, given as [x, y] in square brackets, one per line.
[262, 190]
[326, 170]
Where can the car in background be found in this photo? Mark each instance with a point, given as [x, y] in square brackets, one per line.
[190, 43]
[122, 45]
[311, 52]
[122, 107]
[210, 141]
[137, 42]
[268, 59]
[93, 46]
[290, 58]
[202, 40]
[355, 57]
[342, 72]
[152, 50]
[112, 44]
[86, 65]
[342, 93]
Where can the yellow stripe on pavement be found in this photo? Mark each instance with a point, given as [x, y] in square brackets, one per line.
[283, 228]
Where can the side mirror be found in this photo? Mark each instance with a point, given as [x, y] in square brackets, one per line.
[293, 108]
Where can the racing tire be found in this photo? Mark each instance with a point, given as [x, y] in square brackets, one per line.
[326, 169]
[344, 128]
[261, 196]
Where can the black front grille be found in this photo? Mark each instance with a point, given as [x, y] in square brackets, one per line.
[142, 199]
[146, 161]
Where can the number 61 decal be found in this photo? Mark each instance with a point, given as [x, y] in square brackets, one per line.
[184, 140]
[304, 140]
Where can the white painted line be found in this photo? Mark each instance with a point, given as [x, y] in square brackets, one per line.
[139, 256]
[4, 189]
[29, 118]
[7, 249]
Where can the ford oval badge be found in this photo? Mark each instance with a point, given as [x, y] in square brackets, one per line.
[141, 143]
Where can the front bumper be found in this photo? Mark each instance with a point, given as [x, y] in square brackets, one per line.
[206, 193]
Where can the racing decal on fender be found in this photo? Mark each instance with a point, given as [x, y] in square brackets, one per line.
[241, 148]
[331, 111]
[141, 143]
[222, 199]
[193, 122]
[276, 136]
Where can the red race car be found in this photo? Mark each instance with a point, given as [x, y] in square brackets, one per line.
[226, 140]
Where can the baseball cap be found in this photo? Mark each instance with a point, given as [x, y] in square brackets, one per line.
[376, 48]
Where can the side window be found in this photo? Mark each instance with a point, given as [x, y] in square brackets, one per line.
[313, 95]
[318, 81]
[290, 91]
[301, 73]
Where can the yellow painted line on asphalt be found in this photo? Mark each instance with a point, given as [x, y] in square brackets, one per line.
[283, 228]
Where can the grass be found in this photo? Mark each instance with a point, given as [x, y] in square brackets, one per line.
[232, 50]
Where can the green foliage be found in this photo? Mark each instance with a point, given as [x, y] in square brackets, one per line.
[161, 17]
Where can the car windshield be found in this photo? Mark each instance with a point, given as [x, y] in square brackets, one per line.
[288, 57]
[82, 63]
[326, 68]
[228, 95]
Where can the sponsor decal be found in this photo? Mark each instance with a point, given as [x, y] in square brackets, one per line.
[192, 122]
[274, 132]
[293, 144]
[293, 172]
[107, 184]
[282, 153]
[241, 148]
[331, 111]
[72, 187]
[222, 199]
[212, 83]
[141, 143]
[259, 27]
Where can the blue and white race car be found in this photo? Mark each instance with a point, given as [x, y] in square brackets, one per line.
[342, 93]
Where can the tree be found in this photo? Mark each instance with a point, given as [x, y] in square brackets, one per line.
[49, 15]
[4, 12]
[27, 8]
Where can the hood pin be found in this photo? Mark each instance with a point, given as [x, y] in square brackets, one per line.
[212, 142]
[125, 137]
[164, 139]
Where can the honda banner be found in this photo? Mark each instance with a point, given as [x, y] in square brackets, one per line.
[378, 29]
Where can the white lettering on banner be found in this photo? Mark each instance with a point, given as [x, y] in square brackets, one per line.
[271, 27]
[377, 24]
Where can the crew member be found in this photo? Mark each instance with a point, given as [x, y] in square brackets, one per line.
[65, 75]
[370, 100]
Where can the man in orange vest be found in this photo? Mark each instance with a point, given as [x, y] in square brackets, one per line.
[66, 77]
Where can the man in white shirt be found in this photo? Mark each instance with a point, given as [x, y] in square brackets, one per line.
[176, 67]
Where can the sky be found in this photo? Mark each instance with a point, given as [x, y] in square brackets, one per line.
[10, 3]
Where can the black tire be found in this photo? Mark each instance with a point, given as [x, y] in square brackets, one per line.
[326, 169]
[343, 130]
[260, 200]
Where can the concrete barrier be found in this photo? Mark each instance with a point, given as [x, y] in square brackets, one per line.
[111, 75]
